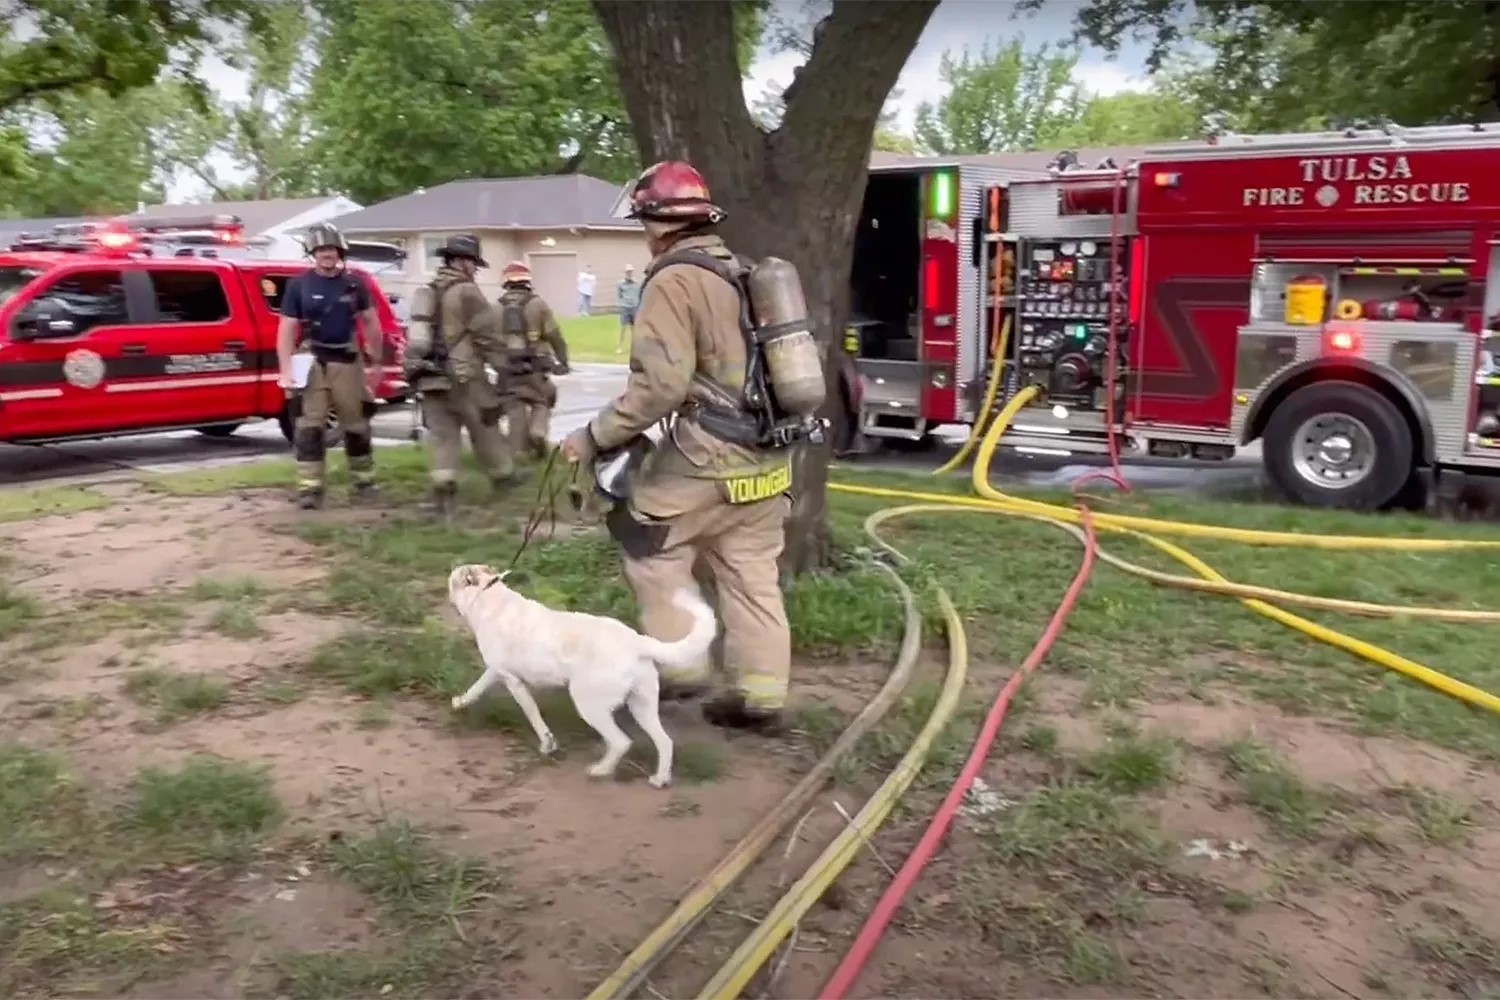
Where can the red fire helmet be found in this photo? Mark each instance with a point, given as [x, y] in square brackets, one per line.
[668, 191]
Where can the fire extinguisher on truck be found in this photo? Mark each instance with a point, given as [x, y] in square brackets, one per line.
[1332, 297]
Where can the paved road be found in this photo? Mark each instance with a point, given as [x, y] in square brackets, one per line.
[580, 395]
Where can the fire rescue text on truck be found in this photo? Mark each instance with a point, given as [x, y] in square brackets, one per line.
[135, 327]
[1335, 296]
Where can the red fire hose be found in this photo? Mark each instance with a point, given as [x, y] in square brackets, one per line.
[848, 971]
[1114, 474]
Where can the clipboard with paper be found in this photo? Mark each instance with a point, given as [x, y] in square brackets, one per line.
[301, 369]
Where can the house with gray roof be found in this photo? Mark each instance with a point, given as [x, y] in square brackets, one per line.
[558, 224]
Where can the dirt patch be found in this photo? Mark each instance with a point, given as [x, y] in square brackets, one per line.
[147, 543]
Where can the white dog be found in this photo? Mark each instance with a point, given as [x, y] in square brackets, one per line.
[602, 662]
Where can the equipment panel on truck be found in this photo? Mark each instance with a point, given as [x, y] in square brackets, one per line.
[120, 328]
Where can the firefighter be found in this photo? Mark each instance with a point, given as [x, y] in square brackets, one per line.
[688, 357]
[449, 373]
[329, 311]
[537, 351]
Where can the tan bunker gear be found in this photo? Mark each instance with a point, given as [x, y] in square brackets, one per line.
[697, 493]
[536, 349]
[457, 393]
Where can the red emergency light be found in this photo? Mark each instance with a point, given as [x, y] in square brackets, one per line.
[124, 235]
[1340, 340]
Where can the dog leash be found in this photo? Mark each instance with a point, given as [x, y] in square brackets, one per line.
[544, 505]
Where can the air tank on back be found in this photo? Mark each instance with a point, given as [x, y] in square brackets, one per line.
[794, 364]
[423, 315]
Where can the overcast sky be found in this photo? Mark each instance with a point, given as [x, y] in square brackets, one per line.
[956, 23]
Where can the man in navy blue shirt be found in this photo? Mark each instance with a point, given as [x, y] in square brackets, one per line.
[328, 310]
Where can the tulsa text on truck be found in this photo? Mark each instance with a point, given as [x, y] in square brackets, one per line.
[1335, 296]
[136, 327]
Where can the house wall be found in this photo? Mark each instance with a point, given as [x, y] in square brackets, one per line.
[607, 251]
[286, 246]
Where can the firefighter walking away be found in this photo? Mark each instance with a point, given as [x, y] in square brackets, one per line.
[453, 335]
[537, 351]
[328, 311]
[722, 350]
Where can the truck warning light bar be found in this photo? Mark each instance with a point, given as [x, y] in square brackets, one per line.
[124, 236]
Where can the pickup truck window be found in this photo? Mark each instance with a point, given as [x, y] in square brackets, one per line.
[273, 287]
[95, 298]
[190, 296]
[13, 279]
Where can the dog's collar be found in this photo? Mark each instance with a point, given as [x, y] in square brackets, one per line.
[493, 580]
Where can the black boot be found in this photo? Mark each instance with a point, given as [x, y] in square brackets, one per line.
[445, 499]
[681, 690]
[310, 499]
[364, 492]
[729, 711]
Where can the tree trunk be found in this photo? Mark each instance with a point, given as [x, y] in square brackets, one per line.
[795, 192]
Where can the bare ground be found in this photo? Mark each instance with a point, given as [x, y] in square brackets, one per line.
[1204, 846]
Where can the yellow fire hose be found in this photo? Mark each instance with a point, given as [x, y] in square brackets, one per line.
[1213, 582]
[997, 369]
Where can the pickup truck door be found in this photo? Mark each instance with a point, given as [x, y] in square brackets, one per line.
[195, 361]
[56, 385]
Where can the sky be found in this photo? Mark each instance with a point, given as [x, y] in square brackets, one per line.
[955, 23]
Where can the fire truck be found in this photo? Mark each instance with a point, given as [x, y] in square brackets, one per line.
[125, 327]
[1333, 296]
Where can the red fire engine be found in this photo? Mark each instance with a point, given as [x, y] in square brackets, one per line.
[1334, 296]
[135, 327]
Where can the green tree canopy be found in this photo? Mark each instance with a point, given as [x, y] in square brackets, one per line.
[1291, 63]
[1004, 98]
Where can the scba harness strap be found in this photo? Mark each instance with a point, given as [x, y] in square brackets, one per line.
[528, 360]
[749, 422]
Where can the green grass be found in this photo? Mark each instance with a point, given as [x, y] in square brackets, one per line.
[206, 809]
[176, 696]
[1272, 789]
[117, 905]
[593, 338]
[442, 915]
[16, 611]
[45, 501]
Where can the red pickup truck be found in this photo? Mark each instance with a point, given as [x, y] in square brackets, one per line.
[102, 334]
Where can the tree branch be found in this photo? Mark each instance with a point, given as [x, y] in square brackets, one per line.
[19, 93]
[891, 27]
[585, 145]
[693, 87]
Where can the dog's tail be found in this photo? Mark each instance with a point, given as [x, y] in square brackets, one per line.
[691, 649]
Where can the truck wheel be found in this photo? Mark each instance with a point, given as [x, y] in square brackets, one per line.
[287, 419]
[1338, 444]
[219, 430]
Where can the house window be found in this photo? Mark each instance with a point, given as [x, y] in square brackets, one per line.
[430, 247]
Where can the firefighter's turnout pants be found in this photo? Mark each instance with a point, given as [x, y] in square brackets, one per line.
[447, 413]
[334, 385]
[740, 544]
[528, 413]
